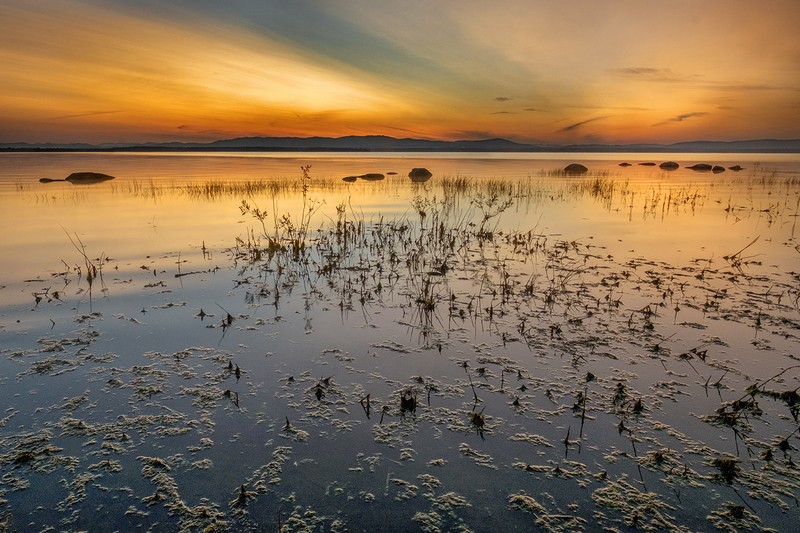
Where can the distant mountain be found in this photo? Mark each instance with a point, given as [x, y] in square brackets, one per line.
[372, 143]
[382, 143]
[25, 147]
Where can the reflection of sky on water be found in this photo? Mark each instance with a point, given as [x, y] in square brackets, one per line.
[166, 357]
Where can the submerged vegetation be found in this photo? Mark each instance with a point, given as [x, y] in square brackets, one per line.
[439, 369]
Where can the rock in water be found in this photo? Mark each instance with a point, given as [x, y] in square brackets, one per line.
[702, 167]
[574, 169]
[81, 178]
[85, 178]
[419, 175]
[668, 165]
[371, 176]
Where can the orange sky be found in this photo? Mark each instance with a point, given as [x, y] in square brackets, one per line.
[573, 71]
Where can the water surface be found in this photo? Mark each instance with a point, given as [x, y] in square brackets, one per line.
[502, 344]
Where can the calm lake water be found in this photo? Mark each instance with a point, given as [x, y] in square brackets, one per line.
[220, 342]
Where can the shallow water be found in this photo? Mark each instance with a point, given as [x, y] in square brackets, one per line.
[618, 350]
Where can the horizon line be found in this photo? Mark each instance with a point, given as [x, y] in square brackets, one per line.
[532, 144]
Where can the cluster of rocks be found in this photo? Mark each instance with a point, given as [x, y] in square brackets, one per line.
[705, 167]
[417, 175]
[576, 169]
[700, 167]
[372, 176]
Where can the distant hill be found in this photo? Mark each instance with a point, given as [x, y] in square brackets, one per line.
[382, 143]
[373, 143]
[25, 147]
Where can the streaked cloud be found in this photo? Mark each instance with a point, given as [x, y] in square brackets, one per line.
[682, 117]
[580, 124]
[650, 74]
[86, 114]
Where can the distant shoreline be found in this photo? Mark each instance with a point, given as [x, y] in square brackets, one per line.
[379, 143]
[367, 150]
[170, 149]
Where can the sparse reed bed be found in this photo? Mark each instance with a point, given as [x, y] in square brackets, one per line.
[610, 190]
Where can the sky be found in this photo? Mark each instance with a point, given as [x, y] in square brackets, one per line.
[544, 71]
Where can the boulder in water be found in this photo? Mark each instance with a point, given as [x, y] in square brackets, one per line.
[88, 177]
[82, 178]
[419, 174]
[700, 167]
[574, 169]
[668, 165]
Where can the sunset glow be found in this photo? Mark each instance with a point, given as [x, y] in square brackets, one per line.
[568, 72]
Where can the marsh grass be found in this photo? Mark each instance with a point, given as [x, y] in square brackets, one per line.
[612, 191]
[764, 177]
[453, 188]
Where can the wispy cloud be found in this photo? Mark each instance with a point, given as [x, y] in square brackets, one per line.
[577, 125]
[682, 117]
[502, 98]
[86, 114]
[405, 130]
[665, 75]
[474, 134]
[749, 87]
[615, 108]
[650, 74]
